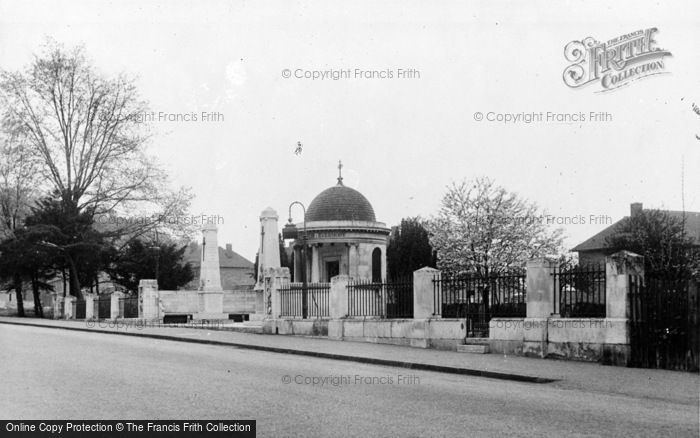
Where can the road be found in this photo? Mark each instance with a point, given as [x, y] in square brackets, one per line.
[58, 374]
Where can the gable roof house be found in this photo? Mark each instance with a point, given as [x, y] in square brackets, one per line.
[236, 271]
[595, 248]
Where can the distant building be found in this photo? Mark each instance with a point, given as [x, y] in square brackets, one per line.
[595, 249]
[236, 271]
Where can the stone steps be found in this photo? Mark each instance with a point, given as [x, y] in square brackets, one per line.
[474, 346]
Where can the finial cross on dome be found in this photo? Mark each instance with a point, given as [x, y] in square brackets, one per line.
[340, 172]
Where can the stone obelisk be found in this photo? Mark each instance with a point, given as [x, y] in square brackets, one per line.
[269, 252]
[211, 295]
[268, 257]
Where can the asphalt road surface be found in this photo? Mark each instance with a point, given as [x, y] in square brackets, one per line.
[58, 374]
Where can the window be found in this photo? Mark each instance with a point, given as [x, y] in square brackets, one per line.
[377, 265]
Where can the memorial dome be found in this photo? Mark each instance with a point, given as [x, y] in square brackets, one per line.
[340, 203]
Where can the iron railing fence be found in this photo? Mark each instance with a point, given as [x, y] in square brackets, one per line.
[500, 295]
[317, 300]
[663, 322]
[479, 298]
[579, 290]
[130, 306]
[387, 299]
[104, 307]
[79, 309]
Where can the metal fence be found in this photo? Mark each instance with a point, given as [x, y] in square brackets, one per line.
[664, 322]
[579, 291]
[478, 298]
[79, 309]
[130, 306]
[388, 299]
[317, 300]
[104, 307]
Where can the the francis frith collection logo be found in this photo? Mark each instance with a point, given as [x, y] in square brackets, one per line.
[616, 62]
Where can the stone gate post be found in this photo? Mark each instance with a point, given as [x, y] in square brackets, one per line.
[69, 303]
[58, 306]
[90, 303]
[540, 305]
[338, 303]
[618, 269]
[149, 307]
[423, 293]
[116, 305]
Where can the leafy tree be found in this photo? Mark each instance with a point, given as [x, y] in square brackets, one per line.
[23, 258]
[409, 248]
[69, 236]
[661, 239]
[140, 259]
[483, 229]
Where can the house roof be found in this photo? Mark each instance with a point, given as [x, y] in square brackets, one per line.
[228, 258]
[599, 241]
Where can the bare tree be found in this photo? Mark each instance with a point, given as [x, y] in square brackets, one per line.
[84, 128]
[87, 133]
[18, 184]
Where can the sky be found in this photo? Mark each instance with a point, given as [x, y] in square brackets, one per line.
[402, 139]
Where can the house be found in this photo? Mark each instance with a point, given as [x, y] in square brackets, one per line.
[595, 249]
[236, 271]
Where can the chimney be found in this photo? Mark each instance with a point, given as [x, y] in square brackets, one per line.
[229, 249]
[635, 208]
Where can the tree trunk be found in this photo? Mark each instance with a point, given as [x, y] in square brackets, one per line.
[74, 281]
[63, 272]
[18, 292]
[38, 309]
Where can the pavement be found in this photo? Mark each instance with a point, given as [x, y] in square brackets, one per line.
[662, 385]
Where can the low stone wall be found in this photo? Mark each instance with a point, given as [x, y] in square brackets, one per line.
[298, 327]
[444, 334]
[591, 339]
[240, 302]
[179, 301]
[237, 302]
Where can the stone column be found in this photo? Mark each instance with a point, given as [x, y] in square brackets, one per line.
[116, 309]
[210, 276]
[279, 278]
[618, 268]
[149, 306]
[90, 311]
[540, 305]
[58, 306]
[269, 252]
[423, 293]
[338, 305]
[297, 264]
[70, 299]
[274, 279]
[315, 265]
[353, 259]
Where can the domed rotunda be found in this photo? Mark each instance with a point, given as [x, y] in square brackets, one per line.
[343, 237]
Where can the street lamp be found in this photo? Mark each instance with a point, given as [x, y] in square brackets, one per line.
[156, 253]
[290, 232]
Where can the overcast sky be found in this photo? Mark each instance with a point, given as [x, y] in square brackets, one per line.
[402, 140]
